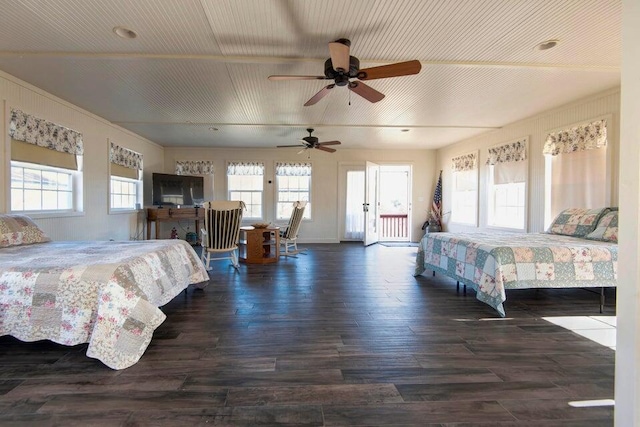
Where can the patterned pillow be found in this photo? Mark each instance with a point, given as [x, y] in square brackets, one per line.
[16, 230]
[607, 228]
[576, 222]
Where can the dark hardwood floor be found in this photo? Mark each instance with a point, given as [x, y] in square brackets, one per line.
[341, 336]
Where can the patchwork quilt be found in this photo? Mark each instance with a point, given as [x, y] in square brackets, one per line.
[102, 293]
[493, 262]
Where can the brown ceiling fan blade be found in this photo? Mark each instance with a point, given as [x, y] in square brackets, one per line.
[330, 143]
[339, 56]
[391, 70]
[318, 96]
[327, 149]
[367, 92]
[284, 146]
[277, 78]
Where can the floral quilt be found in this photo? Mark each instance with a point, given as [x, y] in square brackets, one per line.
[105, 294]
[493, 262]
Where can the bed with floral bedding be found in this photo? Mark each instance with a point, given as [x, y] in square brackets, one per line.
[103, 293]
[578, 251]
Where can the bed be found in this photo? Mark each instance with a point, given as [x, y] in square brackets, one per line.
[103, 293]
[491, 263]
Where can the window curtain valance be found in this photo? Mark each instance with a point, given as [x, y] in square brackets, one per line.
[584, 137]
[245, 168]
[293, 169]
[194, 167]
[466, 162]
[124, 157]
[27, 128]
[512, 152]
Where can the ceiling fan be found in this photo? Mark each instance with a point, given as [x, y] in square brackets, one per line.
[312, 142]
[341, 68]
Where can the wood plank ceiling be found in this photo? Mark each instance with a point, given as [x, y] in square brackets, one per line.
[196, 65]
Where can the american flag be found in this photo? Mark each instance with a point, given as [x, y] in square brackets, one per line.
[436, 206]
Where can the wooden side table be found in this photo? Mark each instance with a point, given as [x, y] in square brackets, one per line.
[156, 215]
[259, 245]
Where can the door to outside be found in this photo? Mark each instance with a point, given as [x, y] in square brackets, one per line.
[370, 206]
[395, 203]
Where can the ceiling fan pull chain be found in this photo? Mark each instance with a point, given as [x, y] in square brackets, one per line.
[349, 98]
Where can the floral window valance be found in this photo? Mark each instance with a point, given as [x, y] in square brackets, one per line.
[194, 167]
[579, 138]
[293, 169]
[245, 168]
[466, 162]
[30, 129]
[512, 152]
[125, 157]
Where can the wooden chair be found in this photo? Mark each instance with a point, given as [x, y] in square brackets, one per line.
[221, 231]
[289, 236]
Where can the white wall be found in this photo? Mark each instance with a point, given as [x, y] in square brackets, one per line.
[627, 393]
[95, 223]
[325, 226]
[602, 105]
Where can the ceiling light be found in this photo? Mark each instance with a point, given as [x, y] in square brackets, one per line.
[125, 33]
[548, 44]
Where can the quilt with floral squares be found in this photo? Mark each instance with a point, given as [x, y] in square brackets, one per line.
[493, 262]
[105, 294]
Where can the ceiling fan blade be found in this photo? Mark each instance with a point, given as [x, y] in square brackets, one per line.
[276, 78]
[327, 149]
[302, 151]
[284, 146]
[367, 92]
[318, 96]
[330, 143]
[339, 56]
[391, 70]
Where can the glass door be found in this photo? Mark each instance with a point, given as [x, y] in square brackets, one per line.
[371, 205]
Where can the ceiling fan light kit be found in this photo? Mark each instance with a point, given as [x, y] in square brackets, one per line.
[312, 142]
[341, 67]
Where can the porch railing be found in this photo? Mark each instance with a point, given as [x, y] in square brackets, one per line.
[394, 226]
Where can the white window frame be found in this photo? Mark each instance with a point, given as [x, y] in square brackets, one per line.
[464, 199]
[76, 190]
[608, 174]
[139, 187]
[517, 168]
[520, 188]
[247, 215]
[307, 212]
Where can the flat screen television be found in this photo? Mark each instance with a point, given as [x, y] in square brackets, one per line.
[173, 190]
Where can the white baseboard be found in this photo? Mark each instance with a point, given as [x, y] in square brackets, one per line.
[302, 241]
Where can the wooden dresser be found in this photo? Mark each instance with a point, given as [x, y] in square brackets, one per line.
[155, 215]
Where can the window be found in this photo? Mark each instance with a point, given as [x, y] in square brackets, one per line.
[293, 182]
[46, 160]
[507, 178]
[507, 205]
[354, 216]
[124, 193]
[40, 188]
[245, 182]
[464, 200]
[125, 188]
[576, 169]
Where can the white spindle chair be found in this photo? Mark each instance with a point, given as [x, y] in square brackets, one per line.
[221, 231]
[289, 236]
